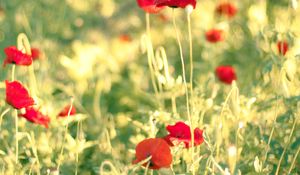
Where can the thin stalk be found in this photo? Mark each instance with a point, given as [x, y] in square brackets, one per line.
[186, 89]
[77, 141]
[150, 63]
[16, 120]
[191, 52]
[17, 132]
[174, 109]
[286, 146]
[147, 168]
[96, 101]
[2, 115]
[217, 165]
[150, 56]
[294, 161]
[110, 165]
[65, 137]
[272, 131]
[221, 121]
[13, 69]
[148, 27]
[23, 43]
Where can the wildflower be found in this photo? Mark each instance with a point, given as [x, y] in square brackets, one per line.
[226, 74]
[35, 116]
[125, 38]
[148, 6]
[65, 111]
[226, 9]
[214, 35]
[15, 56]
[159, 151]
[282, 47]
[17, 95]
[35, 53]
[175, 3]
[180, 132]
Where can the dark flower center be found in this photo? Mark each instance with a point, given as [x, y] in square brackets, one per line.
[151, 164]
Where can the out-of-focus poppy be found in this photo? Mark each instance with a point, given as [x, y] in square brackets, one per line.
[226, 9]
[226, 74]
[15, 56]
[35, 53]
[35, 116]
[17, 95]
[214, 35]
[159, 151]
[65, 111]
[282, 47]
[125, 38]
[180, 132]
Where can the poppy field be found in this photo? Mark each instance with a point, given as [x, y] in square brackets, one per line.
[159, 87]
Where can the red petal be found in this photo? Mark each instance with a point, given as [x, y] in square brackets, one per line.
[214, 35]
[180, 132]
[226, 74]
[226, 9]
[176, 3]
[158, 149]
[17, 95]
[148, 6]
[65, 111]
[15, 56]
[282, 47]
[35, 53]
[35, 116]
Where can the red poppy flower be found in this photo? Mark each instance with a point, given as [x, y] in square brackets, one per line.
[159, 151]
[214, 35]
[226, 74]
[65, 111]
[17, 95]
[175, 3]
[180, 132]
[35, 53]
[226, 9]
[148, 6]
[282, 47]
[15, 56]
[35, 116]
[125, 38]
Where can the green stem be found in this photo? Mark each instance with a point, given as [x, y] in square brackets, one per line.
[150, 56]
[294, 161]
[186, 90]
[16, 131]
[96, 102]
[272, 131]
[286, 146]
[174, 109]
[65, 137]
[23, 43]
[148, 27]
[77, 141]
[191, 51]
[13, 69]
[2, 115]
